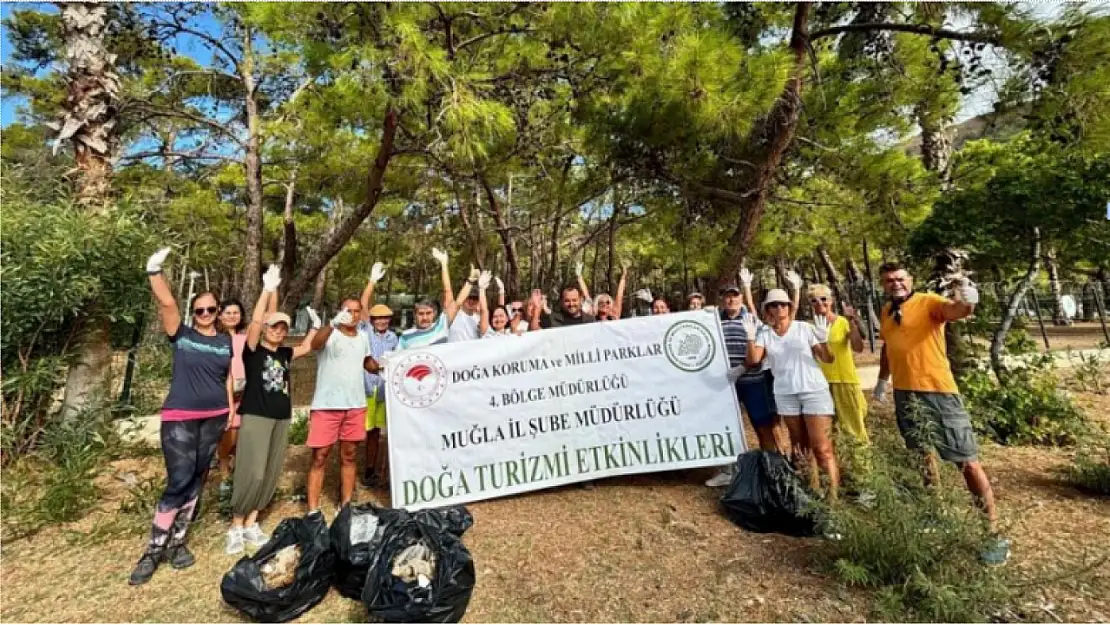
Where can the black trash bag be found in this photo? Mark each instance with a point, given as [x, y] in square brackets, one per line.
[446, 595]
[243, 586]
[767, 496]
[356, 534]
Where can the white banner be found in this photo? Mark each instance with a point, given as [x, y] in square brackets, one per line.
[495, 417]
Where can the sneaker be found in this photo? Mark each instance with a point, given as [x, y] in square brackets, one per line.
[179, 556]
[722, 479]
[235, 543]
[254, 536]
[997, 552]
[145, 567]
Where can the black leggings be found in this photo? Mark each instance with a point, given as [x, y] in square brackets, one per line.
[188, 447]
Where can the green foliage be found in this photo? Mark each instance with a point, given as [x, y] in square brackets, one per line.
[1090, 373]
[918, 547]
[1090, 472]
[1028, 408]
[55, 263]
[298, 428]
[55, 484]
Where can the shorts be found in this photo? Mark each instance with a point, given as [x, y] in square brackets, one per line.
[375, 412]
[326, 427]
[757, 399]
[936, 420]
[810, 403]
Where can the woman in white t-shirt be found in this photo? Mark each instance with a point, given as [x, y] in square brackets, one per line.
[492, 324]
[792, 349]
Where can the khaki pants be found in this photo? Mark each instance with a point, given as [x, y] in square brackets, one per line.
[258, 462]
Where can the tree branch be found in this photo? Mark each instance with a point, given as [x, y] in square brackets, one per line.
[920, 29]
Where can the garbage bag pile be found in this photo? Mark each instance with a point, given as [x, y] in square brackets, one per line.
[767, 496]
[422, 573]
[287, 576]
[406, 567]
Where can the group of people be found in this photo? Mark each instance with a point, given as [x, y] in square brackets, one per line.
[230, 383]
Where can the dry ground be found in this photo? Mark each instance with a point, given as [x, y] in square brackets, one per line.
[645, 548]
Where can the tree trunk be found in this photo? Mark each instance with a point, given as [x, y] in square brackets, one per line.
[289, 232]
[835, 283]
[473, 235]
[88, 122]
[319, 289]
[90, 110]
[252, 246]
[775, 138]
[341, 233]
[508, 241]
[1011, 311]
[610, 266]
[1058, 316]
[936, 142]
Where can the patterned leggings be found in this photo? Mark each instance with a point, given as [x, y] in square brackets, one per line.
[187, 447]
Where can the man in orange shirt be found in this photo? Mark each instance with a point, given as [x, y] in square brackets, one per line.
[927, 403]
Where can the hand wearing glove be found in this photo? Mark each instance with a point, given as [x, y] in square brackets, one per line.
[625, 264]
[747, 323]
[474, 274]
[439, 255]
[794, 279]
[500, 285]
[966, 293]
[377, 272]
[880, 391]
[271, 279]
[344, 318]
[484, 278]
[154, 263]
[644, 295]
[746, 276]
[578, 269]
[734, 373]
[314, 318]
[821, 329]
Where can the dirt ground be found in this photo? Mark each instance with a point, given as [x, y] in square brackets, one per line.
[643, 548]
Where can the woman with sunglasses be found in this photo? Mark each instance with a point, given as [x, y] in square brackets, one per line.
[845, 337]
[802, 398]
[606, 308]
[194, 417]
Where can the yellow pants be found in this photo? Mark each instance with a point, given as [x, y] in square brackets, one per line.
[375, 412]
[851, 409]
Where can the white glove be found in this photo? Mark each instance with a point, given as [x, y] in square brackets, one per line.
[734, 373]
[747, 323]
[376, 272]
[967, 293]
[439, 255]
[271, 279]
[484, 279]
[644, 294]
[746, 276]
[344, 318]
[588, 306]
[794, 279]
[316, 323]
[578, 269]
[821, 329]
[154, 263]
[500, 285]
[880, 391]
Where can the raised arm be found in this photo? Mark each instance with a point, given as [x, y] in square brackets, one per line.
[855, 335]
[305, 348]
[821, 349]
[450, 307]
[259, 312]
[163, 296]
[321, 337]
[746, 282]
[962, 304]
[483, 304]
[535, 309]
[500, 292]
[796, 295]
[464, 292]
[376, 273]
[581, 281]
[755, 352]
[618, 299]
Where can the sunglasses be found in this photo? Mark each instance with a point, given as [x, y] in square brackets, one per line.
[211, 310]
[818, 299]
[777, 305]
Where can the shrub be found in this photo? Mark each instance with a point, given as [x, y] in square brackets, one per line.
[917, 546]
[298, 429]
[1028, 408]
[1090, 373]
[1090, 472]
